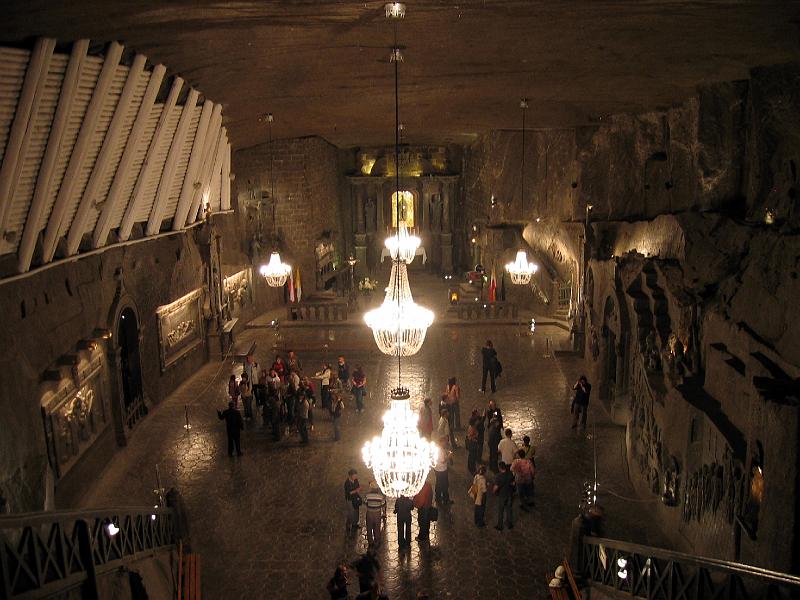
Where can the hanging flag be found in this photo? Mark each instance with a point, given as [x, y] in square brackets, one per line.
[493, 287]
[502, 286]
[290, 288]
[298, 289]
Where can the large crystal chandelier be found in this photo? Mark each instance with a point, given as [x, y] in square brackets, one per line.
[399, 325]
[521, 270]
[275, 272]
[403, 246]
[399, 458]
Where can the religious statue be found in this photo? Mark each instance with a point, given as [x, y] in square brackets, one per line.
[652, 354]
[594, 346]
[369, 212]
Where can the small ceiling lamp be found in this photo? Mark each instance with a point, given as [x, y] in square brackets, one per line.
[275, 272]
[399, 458]
[521, 270]
[399, 325]
[395, 10]
[402, 245]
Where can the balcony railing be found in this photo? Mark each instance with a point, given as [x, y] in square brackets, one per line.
[50, 552]
[655, 574]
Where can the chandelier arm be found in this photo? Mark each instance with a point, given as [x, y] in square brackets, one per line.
[522, 199]
[397, 177]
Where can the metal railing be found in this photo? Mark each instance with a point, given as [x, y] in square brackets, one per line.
[490, 310]
[135, 411]
[656, 574]
[50, 552]
[329, 311]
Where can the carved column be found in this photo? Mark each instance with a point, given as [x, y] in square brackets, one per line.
[447, 235]
[361, 193]
[360, 235]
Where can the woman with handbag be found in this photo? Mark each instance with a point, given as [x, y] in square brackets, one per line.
[478, 493]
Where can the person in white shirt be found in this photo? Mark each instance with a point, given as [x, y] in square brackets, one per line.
[507, 448]
[325, 378]
[443, 429]
[376, 513]
[440, 471]
[479, 490]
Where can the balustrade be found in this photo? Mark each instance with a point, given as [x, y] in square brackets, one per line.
[653, 573]
[42, 554]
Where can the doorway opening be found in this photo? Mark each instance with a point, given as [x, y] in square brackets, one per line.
[130, 368]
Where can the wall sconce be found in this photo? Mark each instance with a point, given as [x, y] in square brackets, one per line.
[769, 217]
[453, 296]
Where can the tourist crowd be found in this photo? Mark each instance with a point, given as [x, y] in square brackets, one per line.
[287, 400]
[287, 397]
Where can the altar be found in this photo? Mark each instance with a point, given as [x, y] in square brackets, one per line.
[424, 197]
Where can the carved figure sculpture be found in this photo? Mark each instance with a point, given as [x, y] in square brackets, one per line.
[652, 354]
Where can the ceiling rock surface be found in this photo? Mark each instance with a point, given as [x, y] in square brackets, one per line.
[322, 68]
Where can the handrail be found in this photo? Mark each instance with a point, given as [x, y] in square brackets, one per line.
[50, 552]
[722, 565]
[647, 572]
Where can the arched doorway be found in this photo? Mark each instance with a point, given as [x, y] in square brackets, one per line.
[130, 367]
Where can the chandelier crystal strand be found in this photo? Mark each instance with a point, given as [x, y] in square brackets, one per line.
[399, 325]
[402, 246]
[521, 270]
[275, 272]
[399, 458]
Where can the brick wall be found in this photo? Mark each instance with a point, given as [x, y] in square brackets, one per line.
[307, 183]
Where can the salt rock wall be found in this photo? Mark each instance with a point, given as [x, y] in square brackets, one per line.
[307, 186]
[47, 314]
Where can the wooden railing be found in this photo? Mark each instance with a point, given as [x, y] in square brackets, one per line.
[42, 554]
[656, 574]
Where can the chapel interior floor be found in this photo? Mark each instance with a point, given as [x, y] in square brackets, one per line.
[271, 523]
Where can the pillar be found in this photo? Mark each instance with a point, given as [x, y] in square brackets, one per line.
[361, 192]
[446, 238]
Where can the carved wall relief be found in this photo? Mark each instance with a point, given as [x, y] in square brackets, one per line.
[180, 327]
[714, 489]
[75, 409]
[238, 292]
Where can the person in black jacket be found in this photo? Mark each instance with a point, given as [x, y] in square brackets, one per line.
[580, 404]
[402, 508]
[504, 490]
[494, 437]
[489, 355]
[234, 425]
